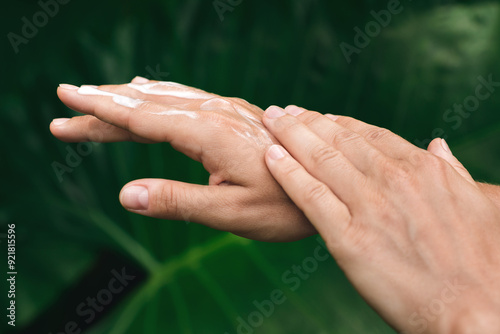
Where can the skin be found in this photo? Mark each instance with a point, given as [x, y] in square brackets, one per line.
[241, 196]
[401, 222]
[405, 226]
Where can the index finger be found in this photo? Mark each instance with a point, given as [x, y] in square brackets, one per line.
[143, 118]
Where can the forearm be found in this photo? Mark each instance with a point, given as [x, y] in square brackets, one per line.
[492, 191]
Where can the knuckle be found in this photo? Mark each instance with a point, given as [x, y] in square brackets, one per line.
[311, 117]
[97, 129]
[436, 166]
[418, 158]
[400, 173]
[356, 239]
[315, 192]
[433, 162]
[378, 159]
[343, 137]
[166, 200]
[346, 121]
[323, 154]
[290, 171]
[377, 133]
[287, 124]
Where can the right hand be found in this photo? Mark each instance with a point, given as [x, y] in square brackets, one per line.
[417, 240]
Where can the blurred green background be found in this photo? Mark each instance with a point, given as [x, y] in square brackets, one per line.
[72, 235]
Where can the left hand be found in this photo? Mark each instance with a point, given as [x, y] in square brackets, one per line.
[418, 240]
[225, 134]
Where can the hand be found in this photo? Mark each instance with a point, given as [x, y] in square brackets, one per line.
[225, 134]
[418, 241]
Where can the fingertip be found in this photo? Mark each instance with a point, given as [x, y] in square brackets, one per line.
[65, 89]
[273, 107]
[68, 87]
[56, 125]
[332, 117]
[140, 80]
[435, 146]
[134, 197]
[273, 112]
[294, 110]
[59, 121]
[445, 146]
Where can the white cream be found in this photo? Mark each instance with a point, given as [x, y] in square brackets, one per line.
[175, 112]
[213, 103]
[118, 99]
[221, 104]
[217, 104]
[127, 101]
[171, 89]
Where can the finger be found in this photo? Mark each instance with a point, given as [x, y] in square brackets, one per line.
[178, 95]
[89, 128]
[324, 210]
[440, 148]
[386, 141]
[320, 159]
[144, 119]
[167, 92]
[173, 200]
[355, 148]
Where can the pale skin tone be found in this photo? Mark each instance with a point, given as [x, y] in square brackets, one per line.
[400, 221]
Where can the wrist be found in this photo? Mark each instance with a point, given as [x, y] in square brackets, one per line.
[477, 323]
[477, 317]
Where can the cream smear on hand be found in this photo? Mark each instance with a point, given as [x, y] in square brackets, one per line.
[171, 89]
[118, 99]
[174, 112]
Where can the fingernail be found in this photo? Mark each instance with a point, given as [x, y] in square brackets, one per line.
[135, 198]
[445, 145]
[68, 87]
[294, 110]
[277, 152]
[274, 112]
[332, 117]
[140, 80]
[59, 121]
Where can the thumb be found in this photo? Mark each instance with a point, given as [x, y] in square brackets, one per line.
[440, 148]
[173, 200]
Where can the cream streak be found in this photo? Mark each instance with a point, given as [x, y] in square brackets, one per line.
[171, 89]
[118, 99]
[175, 112]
